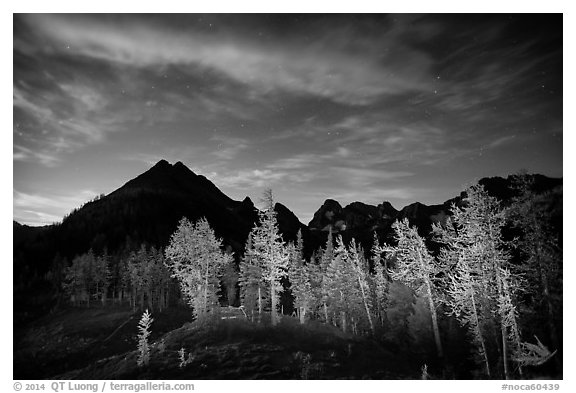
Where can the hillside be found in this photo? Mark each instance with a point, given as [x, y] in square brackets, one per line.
[93, 348]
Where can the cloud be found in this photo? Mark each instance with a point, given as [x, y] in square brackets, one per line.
[316, 69]
[34, 209]
[49, 123]
[24, 154]
[501, 141]
[228, 147]
[257, 178]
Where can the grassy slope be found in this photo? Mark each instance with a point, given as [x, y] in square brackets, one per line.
[88, 344]
[76, 337]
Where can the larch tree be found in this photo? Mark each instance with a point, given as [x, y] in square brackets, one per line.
[540, 247]
[158, 280]
[475, 253]
[315, 277]
[363, 278]
[143, 335]
[415, 267]
[195, 258]
[328, 251]
[299, 277]
[230, 280]
[325, 260]
[380, 281]
[77, 280]
[101, 277]
[253, 289]
[269, 249]
[138, 276]
[343, 299]
[463, 302]
[87, 277]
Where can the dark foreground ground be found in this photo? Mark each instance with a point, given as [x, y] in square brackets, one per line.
[100, 343]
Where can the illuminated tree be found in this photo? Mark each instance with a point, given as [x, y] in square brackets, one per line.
[143, 334]
[540, 248]
[415, 267]
[195, 258]
[253, 290]
[477, 261]
[380, 281]
[300, 285]
[270, 252]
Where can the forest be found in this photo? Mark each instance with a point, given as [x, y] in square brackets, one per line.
[480, 297]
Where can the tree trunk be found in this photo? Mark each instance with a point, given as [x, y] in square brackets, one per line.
[259, 303]
[480, 337]
[343, 320]
[104, 293]
[503, 335]
[302, 315]
[366, 304]
[434, 320]
[274, 301]
[549, 307]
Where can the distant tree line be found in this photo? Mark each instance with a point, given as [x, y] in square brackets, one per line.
[139, 278]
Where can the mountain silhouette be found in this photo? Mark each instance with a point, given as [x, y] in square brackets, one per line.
[147, 209]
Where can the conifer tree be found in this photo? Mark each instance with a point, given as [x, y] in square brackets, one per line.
[77, 283]
[380, 281]
[101, 276]
[230, 279]
[88, 276]
[542, 266]
[143, 334]
[316, 277]
[158, 280]
[463, 300]
[253, 289]
[328, 251]
[415, 267]
[475, 256]
[361, 271]
[271, 252]
[299, 276]
[326, 258]
[343, 298]
[138, 273]
[57, 275]
[195, 258]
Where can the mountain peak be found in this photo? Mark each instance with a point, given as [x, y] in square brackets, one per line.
[247, 201]
[166, 166]
[332, 204]
[179, 164]
[165, 176]
[329, 214]
[162, 164]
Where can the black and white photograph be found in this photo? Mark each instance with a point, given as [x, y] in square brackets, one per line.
[287, 196]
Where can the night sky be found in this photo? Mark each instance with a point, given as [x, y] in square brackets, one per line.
[370, 108]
